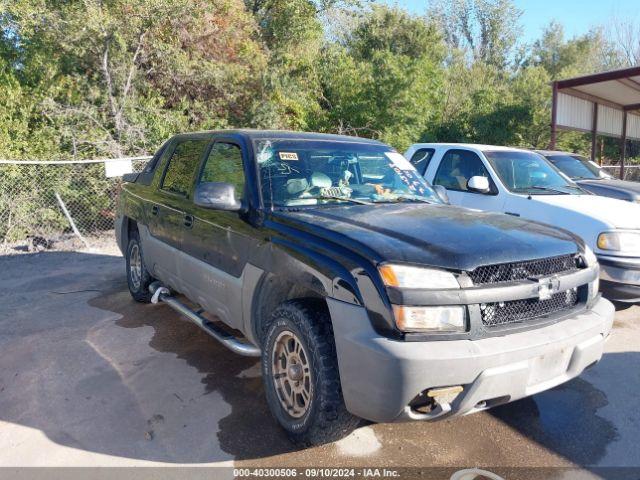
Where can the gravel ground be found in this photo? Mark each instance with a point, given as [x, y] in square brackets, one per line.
[90, 378]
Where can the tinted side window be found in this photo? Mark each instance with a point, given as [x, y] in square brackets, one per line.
[457, 167]
[182, 165]
[421, 159]
[153, 163]
[224, 164]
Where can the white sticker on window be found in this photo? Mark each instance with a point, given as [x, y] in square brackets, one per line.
[399, 161]
[288, 156]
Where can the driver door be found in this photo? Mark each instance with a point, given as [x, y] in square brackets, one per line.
[455, 170]
[217, 243]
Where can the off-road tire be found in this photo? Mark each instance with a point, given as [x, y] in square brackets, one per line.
[140, 291]
[326, 418]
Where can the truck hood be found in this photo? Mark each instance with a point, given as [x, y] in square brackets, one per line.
[435, 235]
[632, 188]
[609, 211]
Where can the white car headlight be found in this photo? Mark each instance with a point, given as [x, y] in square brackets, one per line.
[620, 241]
[406, 276]
[430, 319]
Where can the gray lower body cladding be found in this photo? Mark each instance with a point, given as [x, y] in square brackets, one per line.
[381, 376]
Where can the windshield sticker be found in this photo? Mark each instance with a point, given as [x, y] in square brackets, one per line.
[288, 156]
[399, 161]
[411, 179]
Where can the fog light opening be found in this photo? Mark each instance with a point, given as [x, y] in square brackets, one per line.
[427, 400]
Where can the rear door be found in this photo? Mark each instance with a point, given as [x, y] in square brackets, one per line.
[219, 243]
[170, 205]
[454, 171]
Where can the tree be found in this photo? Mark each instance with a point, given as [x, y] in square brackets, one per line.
[561, 58]
[624, 34]
[487, 29]
[385, 81]
[120, 76]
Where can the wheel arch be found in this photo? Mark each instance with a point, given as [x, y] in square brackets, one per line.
[128, 226]
[294, 271]
[273, 290]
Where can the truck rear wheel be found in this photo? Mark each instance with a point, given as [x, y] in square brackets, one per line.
[300, 372]
[138, 277]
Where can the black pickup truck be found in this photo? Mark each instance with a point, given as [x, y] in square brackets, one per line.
[363, 292]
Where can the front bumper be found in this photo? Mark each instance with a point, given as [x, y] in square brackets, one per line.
[381, 376]
[620, 278]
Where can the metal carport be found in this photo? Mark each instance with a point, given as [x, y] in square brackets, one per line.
[605, 103]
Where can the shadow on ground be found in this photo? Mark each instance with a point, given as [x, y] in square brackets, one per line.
[93, 370]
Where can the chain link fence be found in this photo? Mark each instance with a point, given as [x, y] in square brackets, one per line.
[70, 205]
[60, 205]
[631, 172]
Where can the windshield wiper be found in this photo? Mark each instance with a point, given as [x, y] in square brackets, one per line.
[414, 198]
[346, 199]
[547, 189]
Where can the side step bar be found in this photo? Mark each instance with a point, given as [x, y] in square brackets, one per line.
[162, 294]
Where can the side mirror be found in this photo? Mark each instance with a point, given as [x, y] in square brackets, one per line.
[479, 184]
[442, 193]
[217, 196]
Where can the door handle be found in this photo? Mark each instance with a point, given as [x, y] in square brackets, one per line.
[154, 210]
[188, 221]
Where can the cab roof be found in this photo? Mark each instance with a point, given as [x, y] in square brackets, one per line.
[252, 134]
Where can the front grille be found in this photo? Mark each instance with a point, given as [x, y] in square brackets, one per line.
[532, 269]
[504, 313]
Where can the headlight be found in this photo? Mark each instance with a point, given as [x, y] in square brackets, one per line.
[430, 319]
[405, 276]
[621, 241]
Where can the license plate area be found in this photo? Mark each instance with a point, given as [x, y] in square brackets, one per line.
[549, 366]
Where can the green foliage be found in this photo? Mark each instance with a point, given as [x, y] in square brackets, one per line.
[92, 78]
[385, 81]
[486, 30]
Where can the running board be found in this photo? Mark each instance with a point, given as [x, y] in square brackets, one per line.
[162, 294]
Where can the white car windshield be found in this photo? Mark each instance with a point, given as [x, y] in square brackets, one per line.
[530, 173]
[296, 172]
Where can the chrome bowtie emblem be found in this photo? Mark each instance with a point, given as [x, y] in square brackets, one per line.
[547, 287]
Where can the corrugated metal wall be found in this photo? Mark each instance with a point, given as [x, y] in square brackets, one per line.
[609, 121]
[574, 112]
[577, 113]
[633, 126]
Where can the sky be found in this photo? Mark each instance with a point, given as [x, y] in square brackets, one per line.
[577, 16]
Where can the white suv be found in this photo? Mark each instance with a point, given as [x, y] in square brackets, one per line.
[523, 183]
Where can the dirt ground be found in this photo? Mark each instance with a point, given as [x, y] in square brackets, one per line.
[90, 378]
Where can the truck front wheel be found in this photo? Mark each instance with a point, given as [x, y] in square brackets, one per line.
[300, 371]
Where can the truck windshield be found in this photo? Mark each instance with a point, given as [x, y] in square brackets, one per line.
[577, 167]
[530, 173]
[295, 172]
